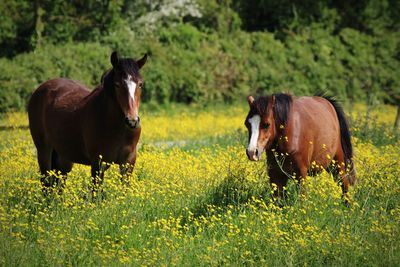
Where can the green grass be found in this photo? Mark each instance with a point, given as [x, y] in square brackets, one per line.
[199, 203]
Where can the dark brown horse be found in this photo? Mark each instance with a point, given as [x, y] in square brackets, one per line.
[70, 124]
[309, 132]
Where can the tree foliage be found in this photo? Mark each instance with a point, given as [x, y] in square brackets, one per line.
[201, 51]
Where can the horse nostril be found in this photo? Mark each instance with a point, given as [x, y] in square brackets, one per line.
[129, 122]
[132, 123]
[252, 154]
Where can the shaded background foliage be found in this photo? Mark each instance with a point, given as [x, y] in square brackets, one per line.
[201, 51]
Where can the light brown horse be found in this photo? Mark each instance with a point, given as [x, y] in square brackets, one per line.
[310, 132]
[70, 124]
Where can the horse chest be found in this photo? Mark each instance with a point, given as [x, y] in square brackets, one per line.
[119, 152]
[118, 147]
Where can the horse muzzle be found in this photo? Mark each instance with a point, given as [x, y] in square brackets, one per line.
[253, 155]
[132, 123]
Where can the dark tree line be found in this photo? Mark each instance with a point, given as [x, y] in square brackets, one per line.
[351, 47]
[26, 23]
[369, 16]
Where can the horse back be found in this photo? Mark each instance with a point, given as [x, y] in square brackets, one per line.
[313, 130]
[60, 93]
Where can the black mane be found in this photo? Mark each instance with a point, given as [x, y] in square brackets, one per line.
[107, 79]
[281, 107]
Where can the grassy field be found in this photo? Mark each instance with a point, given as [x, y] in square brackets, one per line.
[196, 200]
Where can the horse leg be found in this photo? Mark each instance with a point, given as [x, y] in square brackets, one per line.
[97, 175]
[44, 160]
[127, 169]
[64, 166]
[61, 166]
[301, 175]
[97, 172]
[277, 177]
[301, 170]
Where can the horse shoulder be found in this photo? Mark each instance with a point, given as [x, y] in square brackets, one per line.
[297, 131]
[303, 130]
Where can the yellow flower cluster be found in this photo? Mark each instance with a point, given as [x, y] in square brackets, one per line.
[204, 204]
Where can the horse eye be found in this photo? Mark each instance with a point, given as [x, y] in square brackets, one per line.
[265, 125]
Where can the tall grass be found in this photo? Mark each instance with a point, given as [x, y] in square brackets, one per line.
[198, 203]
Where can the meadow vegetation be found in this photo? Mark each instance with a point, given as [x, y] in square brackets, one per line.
[194, 198]
[200, 202]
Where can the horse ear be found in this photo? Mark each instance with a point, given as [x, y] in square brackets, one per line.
[114, 59]
[141, 61]
[250, 100]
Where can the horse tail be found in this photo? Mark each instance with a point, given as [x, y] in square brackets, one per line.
[345, 136]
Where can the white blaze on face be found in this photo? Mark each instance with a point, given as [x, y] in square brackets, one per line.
[255, 131]
[131, 87]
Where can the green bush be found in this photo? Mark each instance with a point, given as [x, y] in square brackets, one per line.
[84, 62]
[183, 35]
[189, 66]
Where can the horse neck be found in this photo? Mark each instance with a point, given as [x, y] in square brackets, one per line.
[104, 105]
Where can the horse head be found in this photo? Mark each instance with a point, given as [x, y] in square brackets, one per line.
[260, 123]
[127, 83]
